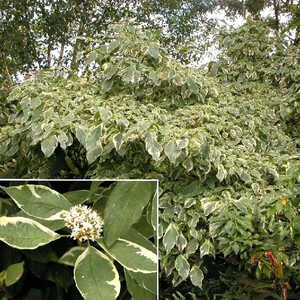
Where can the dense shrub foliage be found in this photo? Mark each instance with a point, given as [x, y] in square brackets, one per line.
[222, 144]
[267, 58]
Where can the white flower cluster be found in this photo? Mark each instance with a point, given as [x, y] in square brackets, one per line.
[85, 223]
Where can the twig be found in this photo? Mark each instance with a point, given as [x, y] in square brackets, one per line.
[6, 73]
[283, 292]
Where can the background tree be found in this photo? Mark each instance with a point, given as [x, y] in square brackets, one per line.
[278, 8]
[38, 34]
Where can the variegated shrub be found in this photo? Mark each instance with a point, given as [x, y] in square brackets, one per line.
[224, 145]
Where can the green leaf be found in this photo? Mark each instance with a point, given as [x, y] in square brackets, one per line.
[193, 85]
[182, 144]
[39, 201]
[241, 204]
[152, 146]
[63, 140]
[181, 242]
[146, 281]
[132, 75]
[70, 257]
[81, 134]
[136, 237]
[182, 266]
[114, 45]
[297, 225]
[143, 227]
[297, 239]
[153, 51]
[136, 291]
[132, 256]
[105, 114]
[77, 197]
[207, 248]
[193, 189]
[22, 233]
[170, 237]
[96, 276]
[107, 85]
[235, 247]
[209, 207]
[192, 246]
[49, 145]
[92, 57]
[52, 224]
[178, 80]
[196, 276]
[109, 71]
[246, 177]
[123, 123]
[93, 144]
[222, 173]
[256, 188]
[118, 141]
[14, 273]
[124, 207]
[188, 164]
[189, 202]
[172, 152]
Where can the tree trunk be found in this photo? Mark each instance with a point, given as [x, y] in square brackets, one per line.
[74, 64]
[276, 13]
[49, 53]
[61, 54]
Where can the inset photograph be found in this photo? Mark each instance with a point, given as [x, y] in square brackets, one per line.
[83, 239]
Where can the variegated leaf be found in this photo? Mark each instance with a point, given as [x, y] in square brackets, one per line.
[95, 275]
[23, 233]
[132, 256]
[170, 237]
[70, 257]
[39, 201]
[137, 292]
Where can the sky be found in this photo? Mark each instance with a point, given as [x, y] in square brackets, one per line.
[212, 52]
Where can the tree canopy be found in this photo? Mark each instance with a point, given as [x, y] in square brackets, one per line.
[39, 34]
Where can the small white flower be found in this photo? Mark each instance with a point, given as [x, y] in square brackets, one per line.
[85, 223]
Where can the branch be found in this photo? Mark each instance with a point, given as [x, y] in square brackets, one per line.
[5, 71]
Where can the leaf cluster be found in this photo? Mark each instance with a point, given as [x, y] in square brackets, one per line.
[34, 238]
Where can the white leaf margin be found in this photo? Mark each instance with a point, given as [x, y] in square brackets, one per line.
[14, 220]
[31, 187]
[141, 251]
[115, 283]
